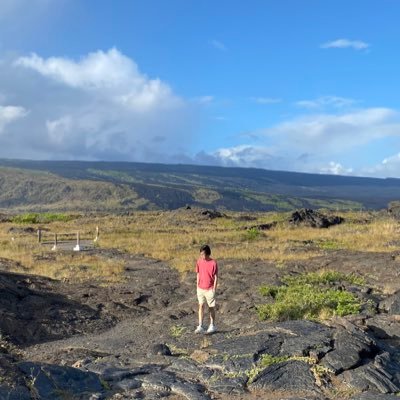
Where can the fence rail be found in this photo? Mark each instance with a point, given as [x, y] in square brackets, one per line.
[56, 238]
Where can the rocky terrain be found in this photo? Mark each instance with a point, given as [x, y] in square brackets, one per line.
[135, 340]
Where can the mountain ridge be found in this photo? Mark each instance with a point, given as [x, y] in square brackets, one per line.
[141, 186]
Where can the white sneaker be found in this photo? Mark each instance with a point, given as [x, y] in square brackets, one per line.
[199, 330]
[212, 329]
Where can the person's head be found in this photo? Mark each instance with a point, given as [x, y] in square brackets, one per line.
[205, 251]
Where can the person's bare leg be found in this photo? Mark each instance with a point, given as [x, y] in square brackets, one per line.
[212, 315]
[201, 314]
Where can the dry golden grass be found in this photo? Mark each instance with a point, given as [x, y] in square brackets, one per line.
[40, 260]
[175, 237]
[79, 267]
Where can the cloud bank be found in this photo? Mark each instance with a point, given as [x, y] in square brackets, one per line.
[316, 143]
[98, 107]
[103, 107]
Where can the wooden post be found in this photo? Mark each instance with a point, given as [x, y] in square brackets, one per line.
[97, 234]
[55, 242]
[78, 241]
[39, 234]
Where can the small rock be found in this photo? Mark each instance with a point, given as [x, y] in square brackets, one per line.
[160, 349]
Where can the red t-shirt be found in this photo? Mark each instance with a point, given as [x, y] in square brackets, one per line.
[207, 270]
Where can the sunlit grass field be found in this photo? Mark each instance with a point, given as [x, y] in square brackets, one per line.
[176, 236]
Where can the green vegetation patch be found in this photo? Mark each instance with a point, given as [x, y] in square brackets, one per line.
[252, 234]
[177, 330]
[329, 245]
[266, 360]
[310, 296]
[41, 218]
[115, 175]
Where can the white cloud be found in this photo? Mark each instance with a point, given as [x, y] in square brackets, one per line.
[101, 107]
[346, 43]
[95, 71]
[334, 133]
[310, 143]
[246, 156]
[335, 168]
[266, 100]
[326, 101]
[218, 45]
[10, 114]
[109, 72]
[388, 167]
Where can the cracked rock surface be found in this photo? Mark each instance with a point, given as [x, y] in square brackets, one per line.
[135, 339]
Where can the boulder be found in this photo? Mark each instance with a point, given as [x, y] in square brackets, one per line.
[160, 349]
[294, 376]
[53, 382]
[228, 385]
[304, 337]
[370, 378]
[314, 219]
[211, 214]
[392, 304]
[384, 326]
[394, 209]
[350, 350]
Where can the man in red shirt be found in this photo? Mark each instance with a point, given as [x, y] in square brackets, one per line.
[207, 280]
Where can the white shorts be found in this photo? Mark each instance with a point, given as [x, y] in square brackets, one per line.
[206, 296]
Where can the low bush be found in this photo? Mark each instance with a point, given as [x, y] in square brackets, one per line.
[309, 296]
[324, 277]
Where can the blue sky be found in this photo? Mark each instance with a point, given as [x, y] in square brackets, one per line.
[294, 85]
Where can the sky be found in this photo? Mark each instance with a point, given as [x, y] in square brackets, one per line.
[295, 85]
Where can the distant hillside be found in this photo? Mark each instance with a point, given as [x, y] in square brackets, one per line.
[117, 186]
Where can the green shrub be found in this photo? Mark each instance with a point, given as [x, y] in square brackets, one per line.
[30, 218]
[307, 296]
[40, 218]
[252, 234]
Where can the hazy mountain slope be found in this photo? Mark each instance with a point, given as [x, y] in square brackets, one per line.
[123, 185]
[41, 190]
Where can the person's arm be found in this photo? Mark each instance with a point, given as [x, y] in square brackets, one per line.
[215, 282]
[216, 277]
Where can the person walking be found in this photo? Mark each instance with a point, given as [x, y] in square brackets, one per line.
[207, 281]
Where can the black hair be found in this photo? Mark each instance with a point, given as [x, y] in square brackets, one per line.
[206, 249]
